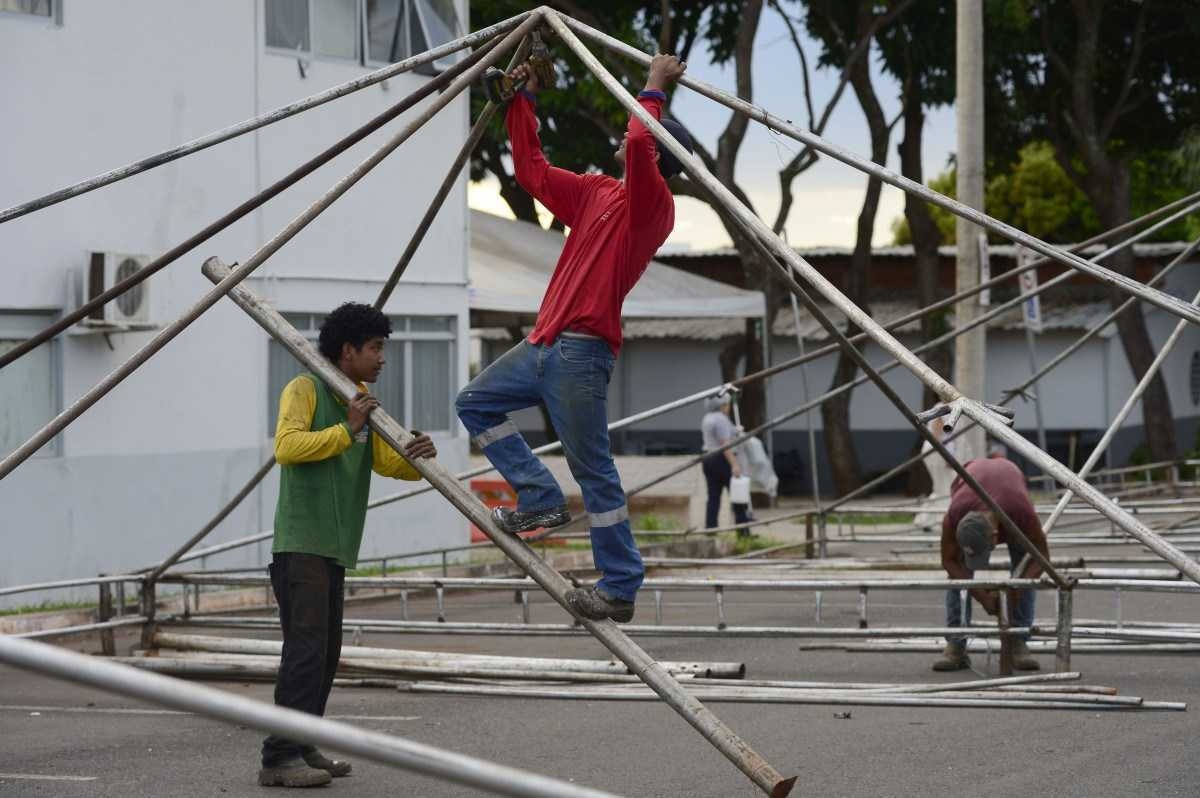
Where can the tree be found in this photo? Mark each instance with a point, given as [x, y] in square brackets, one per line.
[1036, 195]
[839, 26]
[919, 52]
[1104, 82]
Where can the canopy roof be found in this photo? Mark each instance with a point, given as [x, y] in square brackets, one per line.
[511, 263]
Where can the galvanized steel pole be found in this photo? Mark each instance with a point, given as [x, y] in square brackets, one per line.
[246, 126]
[639, 662]
[290, 723]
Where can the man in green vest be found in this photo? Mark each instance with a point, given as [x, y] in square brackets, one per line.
[327, 453]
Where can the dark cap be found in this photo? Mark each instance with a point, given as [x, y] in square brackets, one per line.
[974, 535]
[668, 164]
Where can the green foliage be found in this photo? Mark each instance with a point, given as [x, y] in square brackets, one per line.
[1036, 195]
[49, 606]
[649, 522]
[744, 544]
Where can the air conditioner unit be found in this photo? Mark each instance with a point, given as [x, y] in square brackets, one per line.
[130, 310]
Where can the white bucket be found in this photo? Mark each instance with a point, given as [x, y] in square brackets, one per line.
[739, 490]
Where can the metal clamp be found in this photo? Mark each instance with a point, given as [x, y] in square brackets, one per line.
[955, 410]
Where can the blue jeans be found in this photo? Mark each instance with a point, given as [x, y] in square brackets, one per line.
[571, 378]
[1020, 615]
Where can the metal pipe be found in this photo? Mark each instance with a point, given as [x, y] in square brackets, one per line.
[1163, 300]
[242, 210]
[1135, 396]
[248, 125]
[239, 645]
[500, 628]
[86, 581]
[289, 723]
[84, 628]
[770, 245]
[77, 408]
[711, 727]
[793, 697]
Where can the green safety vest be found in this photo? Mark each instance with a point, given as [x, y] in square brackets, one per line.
[323, 505]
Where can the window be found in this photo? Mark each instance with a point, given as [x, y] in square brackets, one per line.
[418, 383]
[1194, 378]
[28, 385]
[367, 31]
[37, 8]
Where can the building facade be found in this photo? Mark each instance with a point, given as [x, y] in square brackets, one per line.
[90, 86]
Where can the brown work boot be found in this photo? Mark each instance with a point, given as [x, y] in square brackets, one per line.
[293, 773]
[1022, 659]
[334, 767]
[954, 658]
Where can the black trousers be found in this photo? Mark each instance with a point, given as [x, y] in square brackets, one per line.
[309, 591]
[717, 473]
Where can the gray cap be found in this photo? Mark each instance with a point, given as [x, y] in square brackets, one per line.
[714, 403]
[974, 535]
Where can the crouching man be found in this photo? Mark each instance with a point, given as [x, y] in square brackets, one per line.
[969, 534]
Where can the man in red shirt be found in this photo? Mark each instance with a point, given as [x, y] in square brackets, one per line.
[566, 362]
[969, 533]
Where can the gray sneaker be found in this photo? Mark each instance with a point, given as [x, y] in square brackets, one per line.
[334, 767]
[293, 773]
[596, 605]
[514, 521]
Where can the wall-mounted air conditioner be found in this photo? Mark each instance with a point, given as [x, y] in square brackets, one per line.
[130, 310]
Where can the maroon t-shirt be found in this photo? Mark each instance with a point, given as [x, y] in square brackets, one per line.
[1006, 485]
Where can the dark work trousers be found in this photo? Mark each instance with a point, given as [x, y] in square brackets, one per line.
[309, 591]
[717, 473]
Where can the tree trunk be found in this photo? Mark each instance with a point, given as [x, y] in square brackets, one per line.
[925, 240]
[1111, 200]
[835, 413]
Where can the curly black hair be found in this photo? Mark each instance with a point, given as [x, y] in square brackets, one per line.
[351, 323]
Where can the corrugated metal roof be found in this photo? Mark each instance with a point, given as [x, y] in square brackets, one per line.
[1073, 316]
[511, 263]
[1149, 250]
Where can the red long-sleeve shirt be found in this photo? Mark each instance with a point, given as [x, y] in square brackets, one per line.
[616, 226]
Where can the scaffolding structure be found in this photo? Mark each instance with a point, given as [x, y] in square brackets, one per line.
[1161, 527]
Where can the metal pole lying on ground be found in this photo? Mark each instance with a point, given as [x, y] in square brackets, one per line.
[290, 723]
[168, 333]
[639, 662]
[1167, 302]
[233, 131]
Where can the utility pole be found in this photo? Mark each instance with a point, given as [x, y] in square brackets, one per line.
[970, 350]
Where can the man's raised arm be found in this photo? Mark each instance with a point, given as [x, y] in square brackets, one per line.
[649, 197]
[558, 189]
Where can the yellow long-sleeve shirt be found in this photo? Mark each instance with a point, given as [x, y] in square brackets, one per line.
[296, 443]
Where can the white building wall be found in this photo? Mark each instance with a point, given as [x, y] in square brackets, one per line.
[154, 459]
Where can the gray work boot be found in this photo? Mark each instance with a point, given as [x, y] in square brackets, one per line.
[596, 605]
[514, 521]
[954, 658]
[293, 773]
[1022, 659]
[334, 767]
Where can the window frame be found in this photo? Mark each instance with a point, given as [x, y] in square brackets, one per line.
[311, 54]
[401, 334]
[411, 12]
[53, 447]
[53, 20]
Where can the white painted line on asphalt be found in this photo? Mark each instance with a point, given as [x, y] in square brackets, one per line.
[40, 777]
[139, 711]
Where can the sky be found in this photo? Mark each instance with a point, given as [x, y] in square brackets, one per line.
[828, 197]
